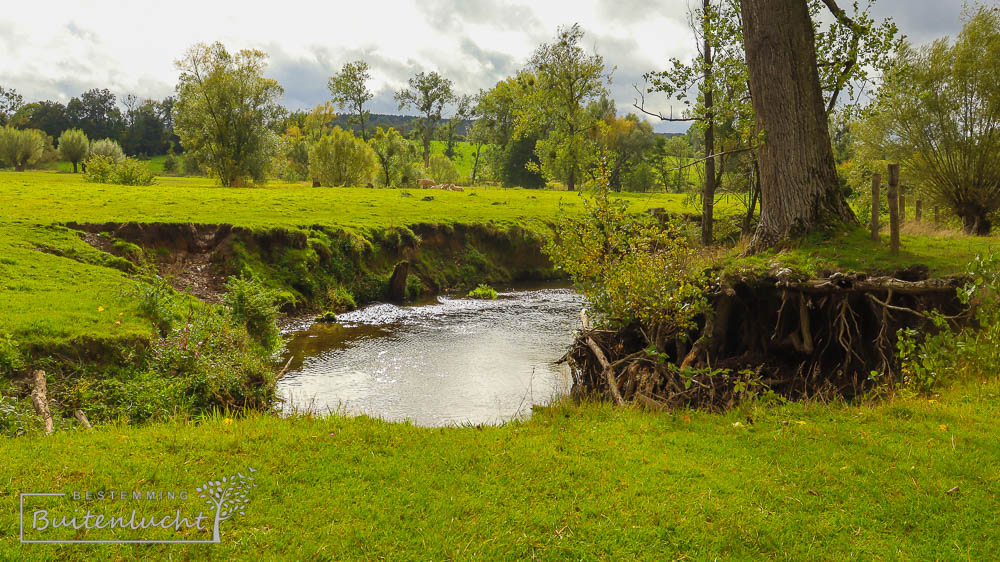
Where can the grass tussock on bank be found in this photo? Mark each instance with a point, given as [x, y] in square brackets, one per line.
[910, 478]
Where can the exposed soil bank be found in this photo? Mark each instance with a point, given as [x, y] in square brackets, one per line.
[312, 268]
[825, 337]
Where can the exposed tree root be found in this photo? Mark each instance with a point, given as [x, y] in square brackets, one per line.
[818, 338]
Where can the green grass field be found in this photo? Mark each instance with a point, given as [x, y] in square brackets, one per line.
[46, 197]
[906, 479]
[53, 286]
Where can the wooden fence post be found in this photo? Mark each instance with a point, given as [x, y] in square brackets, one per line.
[918, 210]
[893, 195]
[876, 205]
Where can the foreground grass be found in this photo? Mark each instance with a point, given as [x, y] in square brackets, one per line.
[911, 478]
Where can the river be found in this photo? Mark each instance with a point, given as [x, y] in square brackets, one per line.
[451, 361]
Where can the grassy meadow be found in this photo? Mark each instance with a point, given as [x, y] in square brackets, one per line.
[911, 478]
[904, 477]
[56, 288]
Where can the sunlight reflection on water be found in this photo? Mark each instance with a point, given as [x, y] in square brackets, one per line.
[454, 361]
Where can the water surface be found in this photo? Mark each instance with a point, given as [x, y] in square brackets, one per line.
[452, 361]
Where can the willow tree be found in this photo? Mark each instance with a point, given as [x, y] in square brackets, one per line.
[224, 105]
[940, 117]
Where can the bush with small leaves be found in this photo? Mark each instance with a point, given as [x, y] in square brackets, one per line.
[254, 306]
[107, 148]
[341, 159]
[103, 169]
[170, 164]
[443, 170]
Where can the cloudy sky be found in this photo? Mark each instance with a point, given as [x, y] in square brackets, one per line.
[58, 49]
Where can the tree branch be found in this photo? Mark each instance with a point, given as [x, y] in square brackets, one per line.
[857, 31]
[640, 104]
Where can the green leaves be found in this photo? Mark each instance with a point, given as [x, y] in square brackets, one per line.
[223, 107]
[341, 159]
[630, 267]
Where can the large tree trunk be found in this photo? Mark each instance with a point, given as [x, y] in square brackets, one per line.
[708, 193]
[797, 171]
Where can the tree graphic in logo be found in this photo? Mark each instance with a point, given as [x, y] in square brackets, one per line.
[230, 496]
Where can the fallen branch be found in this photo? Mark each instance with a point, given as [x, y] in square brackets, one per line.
[284, 370]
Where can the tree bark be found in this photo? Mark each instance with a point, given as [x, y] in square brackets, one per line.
[798, 174]
[708, 194]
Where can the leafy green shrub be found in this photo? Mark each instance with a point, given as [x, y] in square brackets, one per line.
[954, 353]
[107, 148]
[11, 359]
[327, 317]
[340, 299]
[630, 268]
[128, 171]
[211, 362]
[132, 172]
[372, 287]
[414, 287]
[254, 306]
[157, 302]
[341, 159]
[483, 292]
[100, 169]
[170, 164]
[443, 170]
[17, 417]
